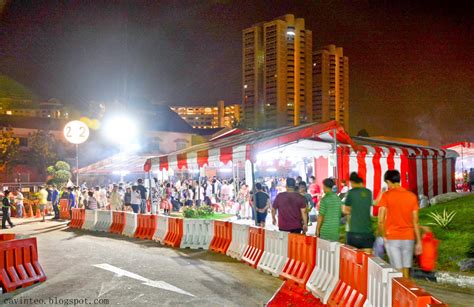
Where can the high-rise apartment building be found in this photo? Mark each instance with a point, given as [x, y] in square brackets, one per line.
[208, 117]
[277, 73]
[331, 85]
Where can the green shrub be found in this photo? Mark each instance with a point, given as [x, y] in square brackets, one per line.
[208, 210]
[202, 211]
[189, 212]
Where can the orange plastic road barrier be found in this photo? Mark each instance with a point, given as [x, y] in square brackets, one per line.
[78, 218]
[175, 232]
[140, 225]
[222, 237]
[64, 209]
[301, 259]
[254, 250]
[146, 226]
[291, 295]
[118, 222]
[351, 290]
[405, 293]
[7, 236]
[19, 266]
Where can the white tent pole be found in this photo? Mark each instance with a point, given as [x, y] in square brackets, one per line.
[337, 160]
[254, 196]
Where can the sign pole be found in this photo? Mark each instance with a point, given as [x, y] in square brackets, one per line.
[76, 132]
[77, 165]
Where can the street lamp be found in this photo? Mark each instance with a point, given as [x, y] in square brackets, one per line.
[122, 130]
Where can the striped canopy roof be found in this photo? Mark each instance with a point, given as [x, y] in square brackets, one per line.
[247, 144]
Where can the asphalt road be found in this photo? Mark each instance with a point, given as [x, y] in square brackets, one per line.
[135, 272]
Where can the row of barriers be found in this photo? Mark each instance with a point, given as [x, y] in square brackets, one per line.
[30, 209]
[330, 273]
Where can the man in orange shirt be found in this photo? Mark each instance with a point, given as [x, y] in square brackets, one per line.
[398, 223]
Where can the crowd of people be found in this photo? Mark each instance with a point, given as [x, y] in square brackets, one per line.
[398, 226]
[290, 201]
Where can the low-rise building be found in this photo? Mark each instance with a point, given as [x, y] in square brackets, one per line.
[209, 117]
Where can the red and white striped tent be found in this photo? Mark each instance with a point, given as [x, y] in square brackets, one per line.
[425, 170]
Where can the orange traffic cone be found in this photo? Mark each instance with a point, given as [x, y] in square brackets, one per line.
[38, 213]
[30, 211]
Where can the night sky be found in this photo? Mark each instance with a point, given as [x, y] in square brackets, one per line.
[411, 65]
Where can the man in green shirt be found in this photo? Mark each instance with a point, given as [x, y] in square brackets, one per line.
[357, 208]
[329, 217]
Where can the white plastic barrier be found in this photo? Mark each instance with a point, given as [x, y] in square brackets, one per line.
[275, 252]
[161, 228]
[130, 224]
[379, 279]
[197, 233]
[240, 239]
[325, 275]
[104, 220]
[90, 220]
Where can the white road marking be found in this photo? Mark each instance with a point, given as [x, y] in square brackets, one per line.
[152, 283]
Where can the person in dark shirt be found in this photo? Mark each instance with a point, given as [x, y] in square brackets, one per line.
[357, 208]
[55, 202]
[303, 189]
[262, 203]
[142, 190]
[291, 208]
[6, 204]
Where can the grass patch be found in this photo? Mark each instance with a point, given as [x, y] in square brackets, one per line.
[458, 239]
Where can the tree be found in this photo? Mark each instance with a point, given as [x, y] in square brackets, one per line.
[60, 174]
[9, 145]
[44, 149]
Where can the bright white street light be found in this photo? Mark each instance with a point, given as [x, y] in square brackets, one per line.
[120, 129]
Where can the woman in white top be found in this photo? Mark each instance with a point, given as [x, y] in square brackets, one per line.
[136, 199]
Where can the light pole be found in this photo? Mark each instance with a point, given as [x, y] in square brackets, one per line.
[76, 132]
